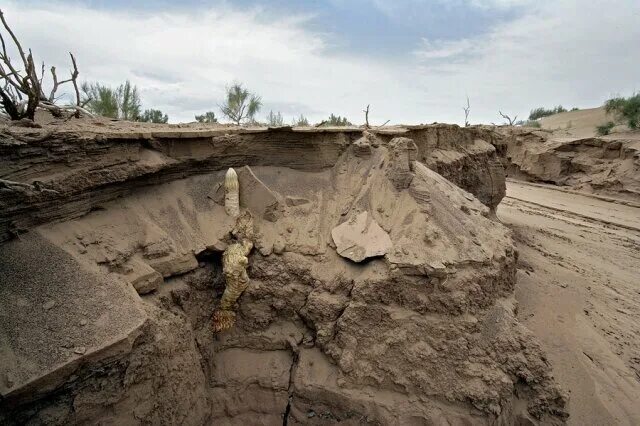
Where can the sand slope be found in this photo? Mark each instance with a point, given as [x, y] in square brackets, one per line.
[608, 165]
[580, 124]
[578, 292]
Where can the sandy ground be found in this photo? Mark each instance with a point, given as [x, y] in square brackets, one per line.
[581, 123]
[579, 292]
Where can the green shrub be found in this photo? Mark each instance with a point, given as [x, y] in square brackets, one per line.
[275, 119]
[605, 129]
[542, 112]
[627, 109]
[153, 116]
[533, 123]
[300, 121]
[336, 120]
[122, 103]
[207, 117]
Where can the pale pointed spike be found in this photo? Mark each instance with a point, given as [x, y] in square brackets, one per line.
[231, 193]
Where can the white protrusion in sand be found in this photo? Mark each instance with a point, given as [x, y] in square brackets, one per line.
[231, 193]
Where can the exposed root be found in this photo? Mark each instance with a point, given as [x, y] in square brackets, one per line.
[223, 320]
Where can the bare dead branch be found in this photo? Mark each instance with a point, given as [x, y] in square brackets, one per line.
[74, 78]
[466, 113]
[57, 110]
[385, 123]
[5, 56]
[15, 40]
[29, 83]
[366, 117]
[9, 104]
[34, 92]
[510, 120]
[40, 80]
[56, 84]
[11, 77]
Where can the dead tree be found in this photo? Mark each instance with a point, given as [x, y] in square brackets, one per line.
[21, 90]
[467, 110]
[366, 117]
[510, 120]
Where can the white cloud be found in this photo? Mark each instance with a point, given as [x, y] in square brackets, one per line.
[500, 4]
[446, 50]
[558, 53]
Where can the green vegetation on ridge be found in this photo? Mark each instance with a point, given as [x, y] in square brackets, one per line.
[542, 112]
[625, 109]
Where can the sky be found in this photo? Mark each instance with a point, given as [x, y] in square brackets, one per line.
[412, 61]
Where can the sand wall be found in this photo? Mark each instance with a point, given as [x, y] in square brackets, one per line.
[424, 333]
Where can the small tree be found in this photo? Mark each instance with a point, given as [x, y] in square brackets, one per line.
[208, 117]
[154, 116]
[275, 120]
[300, 121]
[129, 104]
[122, 102]
[241, 105]
[100, 100]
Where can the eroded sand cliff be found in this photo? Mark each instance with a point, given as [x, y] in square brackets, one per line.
[424, 334]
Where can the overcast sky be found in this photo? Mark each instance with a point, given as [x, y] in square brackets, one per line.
[414, 61]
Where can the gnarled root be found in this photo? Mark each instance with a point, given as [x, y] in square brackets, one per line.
[234, 266]
[223, 320]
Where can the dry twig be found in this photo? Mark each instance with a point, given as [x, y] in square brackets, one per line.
[509, 119]
[26, 83]
[366, 117]
[467, 110]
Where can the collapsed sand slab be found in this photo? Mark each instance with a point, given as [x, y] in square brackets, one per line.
[57, 316]
[360, 238]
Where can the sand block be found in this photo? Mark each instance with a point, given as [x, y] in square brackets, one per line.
[174, 264]
[296, 201]
[57, 316]
[258, 381]
[403, 152]
[144, 278]
[360, 238]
